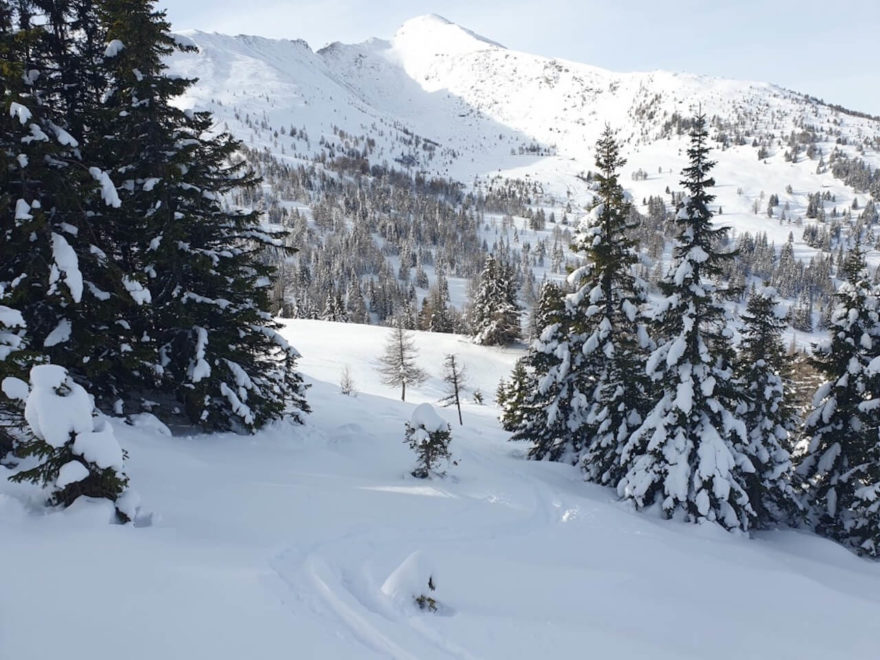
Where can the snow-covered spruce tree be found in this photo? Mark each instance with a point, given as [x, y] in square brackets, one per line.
[762, 368]
[607, 320]
[494, 310]
[839, 459]
[428, 435]
[45, 235]
[687, 456]
[12, 328]
[78, 452]
[552, 405]
[191, 264]
[398, 363]
[510, 397]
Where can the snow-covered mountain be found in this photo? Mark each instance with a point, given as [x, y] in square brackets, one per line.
[450, 102]
[438, 100]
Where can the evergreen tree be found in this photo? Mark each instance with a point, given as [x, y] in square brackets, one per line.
[78, 452]
[839, 461]
[607, 320]
[194, 267]
[511, 395]
[429, 436]
[398, 363]
[133, 272]
[687, 456]
[762, 368]
[495, 312]
[550, 401]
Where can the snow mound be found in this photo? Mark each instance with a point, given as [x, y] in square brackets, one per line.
[57, 406]
[424, 416]
[410, 580]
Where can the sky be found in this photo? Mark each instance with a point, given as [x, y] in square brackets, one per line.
[825, 49]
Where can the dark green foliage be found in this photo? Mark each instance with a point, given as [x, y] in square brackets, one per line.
[431, 445]
[763, 370]
[606, 316]
[494, 308]
[53, 393]
[544, 409]
[174, 299]
[840, 461]
[687, 456]
[510, 397]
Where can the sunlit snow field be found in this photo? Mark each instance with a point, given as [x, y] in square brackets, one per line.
[313, 542]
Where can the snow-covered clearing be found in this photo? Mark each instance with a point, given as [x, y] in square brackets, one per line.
[313, 542]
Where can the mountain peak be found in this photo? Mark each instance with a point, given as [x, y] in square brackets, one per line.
[434, 35]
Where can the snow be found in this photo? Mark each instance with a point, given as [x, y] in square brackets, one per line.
[66, 262]
[23, 210]
[99, 447]
[150, 183]
[64, 138]
[71, 473]
[315, 539]
[20, 112]
[54, 414]
[426, 417]
[15, 388]
[410, 580]
[113, 48]
[108, 190]
[11, 318]
[200, 369]
[138, 292]
[59, 335]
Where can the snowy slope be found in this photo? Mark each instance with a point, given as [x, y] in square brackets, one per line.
[312, 542]
[457, 104]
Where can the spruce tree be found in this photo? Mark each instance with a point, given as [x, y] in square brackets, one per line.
[510, 396]
[193, 265]
[428, 435]
[77, 451]
[839, 461]
[762, 368]
[687, 456]
[45, 238]
[494, 309]
[551, 402]
[130, 268]
[607, 319]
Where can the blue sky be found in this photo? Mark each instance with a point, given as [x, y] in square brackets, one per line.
[827, 49]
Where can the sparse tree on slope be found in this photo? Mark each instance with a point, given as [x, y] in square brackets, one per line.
[687, 456]
[839, 461]
[429, 436]
[398, 363]
[762, 368]
[455, 378]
